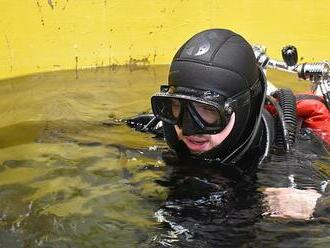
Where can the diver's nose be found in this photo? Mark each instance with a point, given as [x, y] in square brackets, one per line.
[188, 124]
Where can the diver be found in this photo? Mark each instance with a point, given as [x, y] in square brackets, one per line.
[213, 105]
[215, 109]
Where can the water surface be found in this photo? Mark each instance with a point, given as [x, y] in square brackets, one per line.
[73, 175]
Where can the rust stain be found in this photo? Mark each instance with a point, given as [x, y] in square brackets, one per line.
[38, 4]
[10, 52]
[76, 59]
[66, 4]
[113, 63]
[138, 64]
[154, 56]
[51, 3]
[40, 12]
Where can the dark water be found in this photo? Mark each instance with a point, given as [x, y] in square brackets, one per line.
[218, 207]
[73, 175]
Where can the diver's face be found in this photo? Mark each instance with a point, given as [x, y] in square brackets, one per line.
[200, 143]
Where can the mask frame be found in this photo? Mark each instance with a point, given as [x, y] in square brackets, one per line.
[187, 96]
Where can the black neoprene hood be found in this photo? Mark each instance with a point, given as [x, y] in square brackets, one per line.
[218, 60]
[223, 62]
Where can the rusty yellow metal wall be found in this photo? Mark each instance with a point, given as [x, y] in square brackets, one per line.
[45, 35]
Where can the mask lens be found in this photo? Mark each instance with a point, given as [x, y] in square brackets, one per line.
[209, 114]
[172, 110]
[167, 109]
[176, 107]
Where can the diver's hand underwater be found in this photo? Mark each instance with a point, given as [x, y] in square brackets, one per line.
[290, 202]
[146, 123]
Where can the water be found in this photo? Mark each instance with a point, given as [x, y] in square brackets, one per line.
[73, 175]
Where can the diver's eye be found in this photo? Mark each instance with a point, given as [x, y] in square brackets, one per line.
[208, 113]
[176, 107]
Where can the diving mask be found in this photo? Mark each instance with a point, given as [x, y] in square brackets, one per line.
[205, 112]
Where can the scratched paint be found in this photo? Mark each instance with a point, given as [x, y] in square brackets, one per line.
[46, 35]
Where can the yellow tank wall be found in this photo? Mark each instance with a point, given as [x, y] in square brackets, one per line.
[45, 35]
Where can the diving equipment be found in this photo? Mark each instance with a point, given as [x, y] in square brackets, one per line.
[222, 63]
[207, 111]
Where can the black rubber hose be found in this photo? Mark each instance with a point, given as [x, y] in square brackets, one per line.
[287, 102]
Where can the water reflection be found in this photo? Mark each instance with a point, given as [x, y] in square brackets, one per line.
[209, 205]
[218, 206]
[73, 175]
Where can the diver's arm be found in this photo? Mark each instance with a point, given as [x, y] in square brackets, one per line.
[146, 123]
